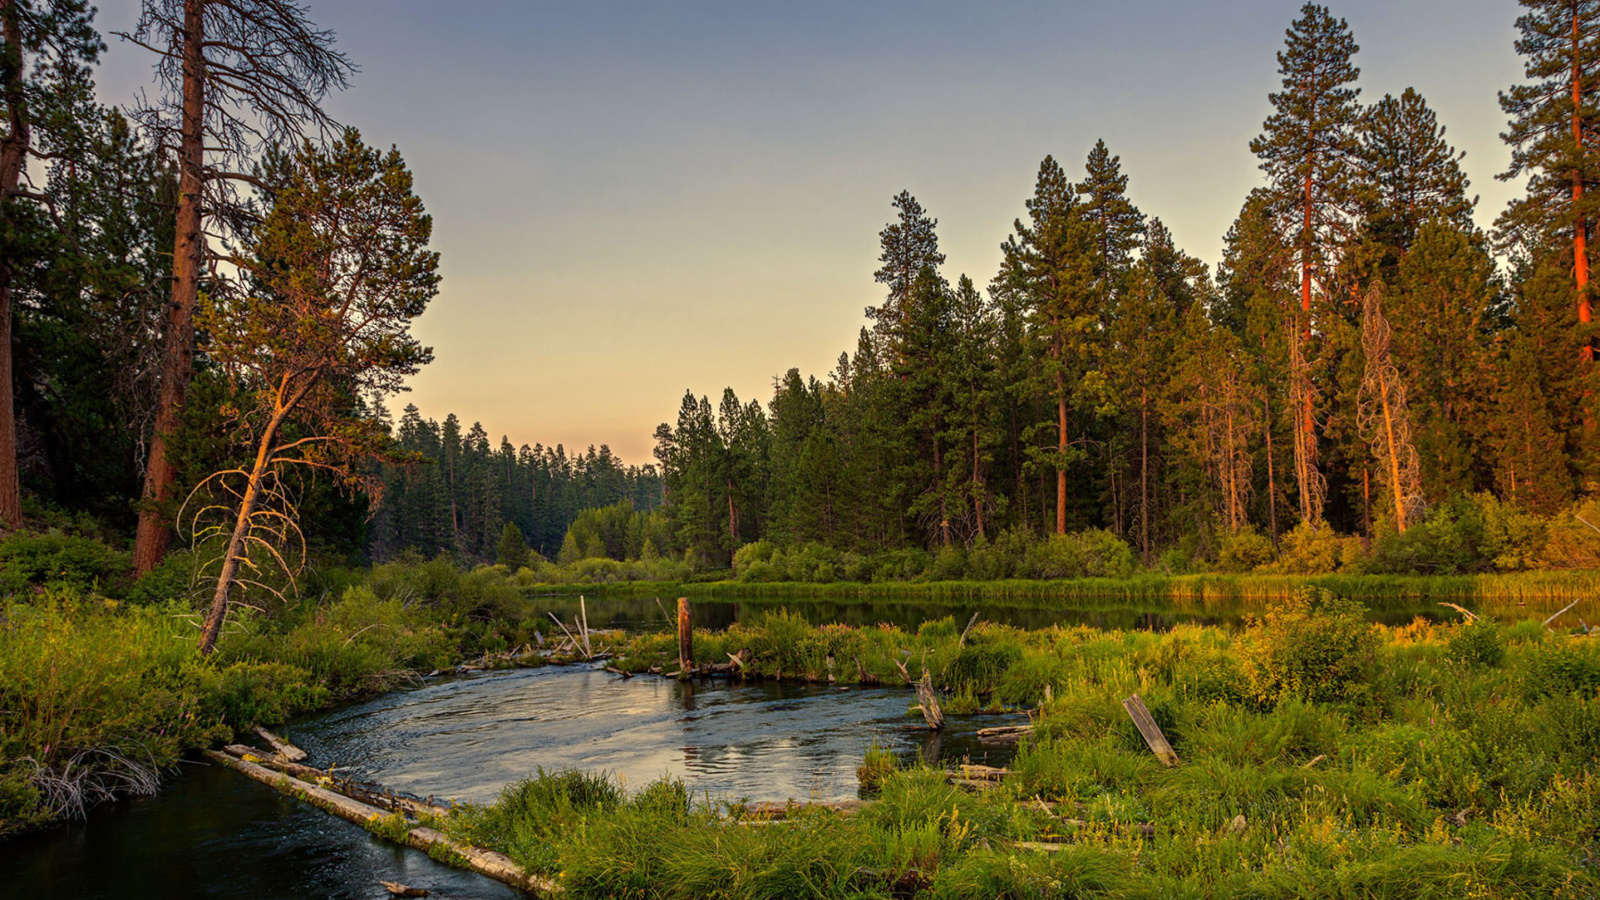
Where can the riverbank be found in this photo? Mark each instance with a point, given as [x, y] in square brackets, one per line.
[1318, 756]
[98, 698]
[1517, 591]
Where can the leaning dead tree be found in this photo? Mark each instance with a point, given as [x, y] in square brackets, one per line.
[1383, 416]
[234, 77]
[335, 273]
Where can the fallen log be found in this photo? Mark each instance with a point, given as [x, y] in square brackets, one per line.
[485, 862]
[396, 889]
[1150, 730]
[1004, 734]
[282, 747]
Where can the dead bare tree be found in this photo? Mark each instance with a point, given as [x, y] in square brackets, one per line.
[235, 76]
[336, 272]
[1383, 415]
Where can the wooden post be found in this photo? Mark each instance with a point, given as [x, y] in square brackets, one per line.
[1150, 730]
[685, 637]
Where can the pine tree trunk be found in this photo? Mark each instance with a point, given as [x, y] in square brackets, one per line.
[1144, 474]
[160, 477]
[977, 485]
[1580, 224]
[1272, 483]
[13, 158]
[1395, 483]
[1061, 447]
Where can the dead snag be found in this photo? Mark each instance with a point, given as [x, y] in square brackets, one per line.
[685, 637]
[928, 702]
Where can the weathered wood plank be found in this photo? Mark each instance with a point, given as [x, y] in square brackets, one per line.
[1150, 730]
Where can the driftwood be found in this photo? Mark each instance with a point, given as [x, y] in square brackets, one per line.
[570, 638]
[928, 702]
[396, 889]
[370, 794]
[583, 619]
[281, 747]
[616, 671]
[485, 862]
[1562, 611]
[1150, 730]
[1471, 616]
[1004, 734]
[970, 622]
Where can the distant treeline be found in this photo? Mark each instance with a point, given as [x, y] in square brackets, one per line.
[457, 492]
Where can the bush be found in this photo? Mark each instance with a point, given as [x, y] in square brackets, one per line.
[1465, 534]
[1314, 550]
[1243, 550]
[1476, 644]
[1085, 554]
[54, 559]
[1314, 646]
[749, 555]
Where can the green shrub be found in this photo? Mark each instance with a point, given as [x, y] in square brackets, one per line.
[1572, 665]
[267, 693]
[1479, 643]
[1309, 549]
[1315, 646]
[1086, 554]
[32, 561]
[1243, 550]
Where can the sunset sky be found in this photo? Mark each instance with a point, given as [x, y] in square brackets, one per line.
[632, 199]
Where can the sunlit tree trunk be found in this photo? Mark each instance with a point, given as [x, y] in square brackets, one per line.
[13, 158]
[177, 361]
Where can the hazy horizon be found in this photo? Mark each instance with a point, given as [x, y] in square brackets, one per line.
[635, 199]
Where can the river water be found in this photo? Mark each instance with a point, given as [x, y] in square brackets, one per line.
[212, 833]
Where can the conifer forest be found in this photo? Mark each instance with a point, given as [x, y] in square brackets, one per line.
[1264, 575]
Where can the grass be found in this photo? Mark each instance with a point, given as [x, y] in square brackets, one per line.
[98, 698]
[1511, 594]
[1448, 761]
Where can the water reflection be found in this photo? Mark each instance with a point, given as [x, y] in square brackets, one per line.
[467, 738]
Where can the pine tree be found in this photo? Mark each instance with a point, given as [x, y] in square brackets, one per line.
[1409, 175]
[1118, 224]
[512, 551]
[1307, 147]
[910, 244]
[1554, 133]
[46, 47]
[1051, 263]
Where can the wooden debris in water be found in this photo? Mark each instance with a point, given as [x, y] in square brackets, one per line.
[1004, 734]
[281, 747]
[485, 862]
[685, 636]
[616, 671]
[772, 811]
[1150, 730]
[1471, 616]
[396, 889]
[983, 773]
[1562, 611]
[928, 702]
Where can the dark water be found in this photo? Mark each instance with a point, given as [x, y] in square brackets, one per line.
[212, 833]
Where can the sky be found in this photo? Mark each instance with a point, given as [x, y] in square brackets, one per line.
[635, 199]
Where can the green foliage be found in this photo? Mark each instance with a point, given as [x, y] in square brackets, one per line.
[1085, 554]
[30, 562]
[1314, 646]
[1243, 551]
[1480, 642]
[1312, 549]
[513, 550]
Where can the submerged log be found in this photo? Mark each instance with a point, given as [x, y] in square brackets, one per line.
[1150, 730]
[983, 773]
[396, 889]
[282, 747]
[485, 862]
[774, 810]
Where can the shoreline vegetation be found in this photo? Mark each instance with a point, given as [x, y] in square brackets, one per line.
[1317, 756]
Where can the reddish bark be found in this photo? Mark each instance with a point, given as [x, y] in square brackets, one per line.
[154, 535]
[13, 158]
